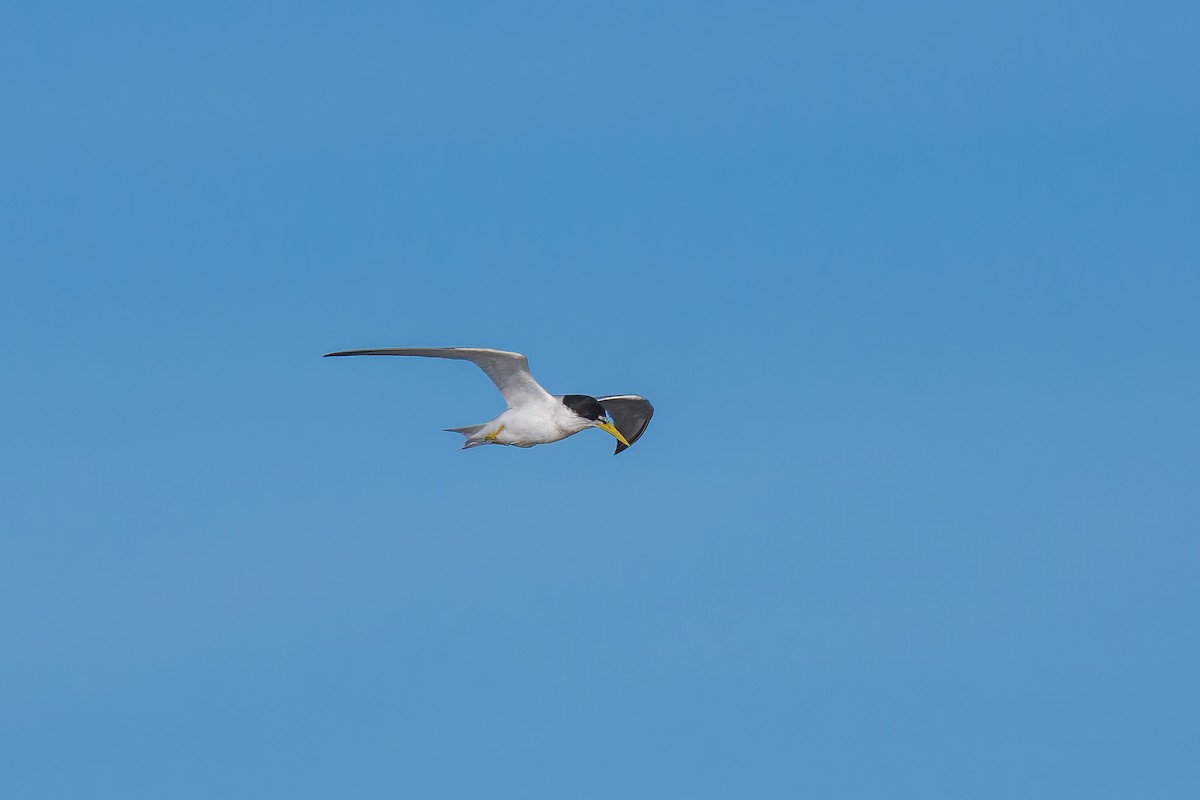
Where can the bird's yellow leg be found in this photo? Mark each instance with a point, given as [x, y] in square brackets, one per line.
[491, 437]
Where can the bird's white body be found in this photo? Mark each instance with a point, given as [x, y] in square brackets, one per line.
[539, 422]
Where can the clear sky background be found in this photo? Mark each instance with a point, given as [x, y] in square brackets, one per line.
[913, 287]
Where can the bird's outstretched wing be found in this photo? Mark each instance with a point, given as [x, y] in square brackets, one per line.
[509, 371]
[630, 414]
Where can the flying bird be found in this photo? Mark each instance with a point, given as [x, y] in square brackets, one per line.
[534, 416]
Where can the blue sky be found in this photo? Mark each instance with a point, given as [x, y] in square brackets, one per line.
[913, 289]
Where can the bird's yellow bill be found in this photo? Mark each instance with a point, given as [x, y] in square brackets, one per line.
[608, 427]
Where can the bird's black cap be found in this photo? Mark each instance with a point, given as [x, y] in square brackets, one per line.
[585, 406]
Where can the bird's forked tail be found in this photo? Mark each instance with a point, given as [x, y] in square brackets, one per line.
[469, 432]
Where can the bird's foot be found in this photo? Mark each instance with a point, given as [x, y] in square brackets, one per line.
[491, 437]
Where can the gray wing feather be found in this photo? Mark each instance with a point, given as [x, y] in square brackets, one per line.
[509, 371]
[630, 414]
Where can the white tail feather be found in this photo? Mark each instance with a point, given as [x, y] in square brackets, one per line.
[469, 431]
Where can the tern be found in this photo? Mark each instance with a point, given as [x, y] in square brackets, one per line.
[534, 416]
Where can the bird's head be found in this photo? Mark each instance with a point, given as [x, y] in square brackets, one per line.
[589, 409]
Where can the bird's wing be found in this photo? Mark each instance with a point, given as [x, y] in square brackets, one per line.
[630, 414]
[509, 371]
